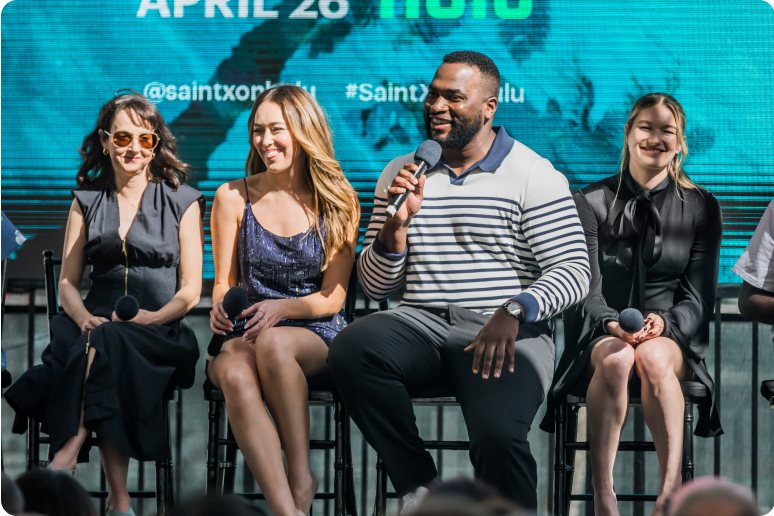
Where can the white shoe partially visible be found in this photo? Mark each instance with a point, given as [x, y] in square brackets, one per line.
[412, 500]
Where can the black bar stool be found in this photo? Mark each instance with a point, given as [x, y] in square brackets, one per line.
[164, 492]
[566, 446]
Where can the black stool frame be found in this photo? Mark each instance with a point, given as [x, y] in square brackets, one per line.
[566, 446]
[164, 492]
[380, 501]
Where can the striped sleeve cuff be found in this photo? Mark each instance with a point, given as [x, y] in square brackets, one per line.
[383, 252]
[529, 304]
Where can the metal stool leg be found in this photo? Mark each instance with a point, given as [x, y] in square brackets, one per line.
[688, 465]
[212, 447]
[559, 464]
[380, 501]
[571, 429]
[350, 502]
[338, 482]
[229, 473]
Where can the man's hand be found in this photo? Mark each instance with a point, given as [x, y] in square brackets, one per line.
[405, 181]
[393, 235]
[498, 336]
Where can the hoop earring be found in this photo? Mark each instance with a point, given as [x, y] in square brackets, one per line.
[104, 151]
[153, 155]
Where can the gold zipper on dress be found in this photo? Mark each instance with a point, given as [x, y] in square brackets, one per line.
[126, 277]
[88, 337]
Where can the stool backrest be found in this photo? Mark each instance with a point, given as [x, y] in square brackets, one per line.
[49, 274]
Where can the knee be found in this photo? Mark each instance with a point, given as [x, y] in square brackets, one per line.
[616, 368]
[237, 380]
[653, 361]
[500, 440]
[347, 351]
[272, 351]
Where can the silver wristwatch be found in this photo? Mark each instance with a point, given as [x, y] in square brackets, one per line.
[514, 310]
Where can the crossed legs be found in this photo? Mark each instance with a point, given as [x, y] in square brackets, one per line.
[660, 366]
[274, 370]
[114, 462]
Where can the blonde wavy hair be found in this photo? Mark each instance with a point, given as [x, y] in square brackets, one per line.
[335, 201]
[675, 167]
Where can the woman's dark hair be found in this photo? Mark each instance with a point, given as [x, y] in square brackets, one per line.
[54, 493]
[96, 168]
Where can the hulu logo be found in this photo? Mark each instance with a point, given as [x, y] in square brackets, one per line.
[456, 8]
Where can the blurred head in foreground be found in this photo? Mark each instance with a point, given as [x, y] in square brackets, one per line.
[466, 497]
[54, 493]
[231, 505]
[715, 496]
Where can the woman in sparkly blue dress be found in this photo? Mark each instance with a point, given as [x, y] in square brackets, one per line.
[286, 234]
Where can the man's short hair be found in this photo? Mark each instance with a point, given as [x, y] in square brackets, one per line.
[490, 75]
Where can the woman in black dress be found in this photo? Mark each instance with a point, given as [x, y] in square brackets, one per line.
[142, 231]
[654, 242]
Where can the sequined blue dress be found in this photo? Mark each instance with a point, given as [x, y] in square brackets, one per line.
[275, 267]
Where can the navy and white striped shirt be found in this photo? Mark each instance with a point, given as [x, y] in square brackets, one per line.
[507, 228]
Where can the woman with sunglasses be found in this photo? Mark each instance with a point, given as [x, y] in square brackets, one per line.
[653, 237]
[286, 233]
[141, 230]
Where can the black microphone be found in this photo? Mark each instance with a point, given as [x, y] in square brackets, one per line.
[426, 157]
[127, 308]
[234, 303]
[631, 320]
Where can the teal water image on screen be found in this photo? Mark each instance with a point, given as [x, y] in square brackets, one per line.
[570, 72]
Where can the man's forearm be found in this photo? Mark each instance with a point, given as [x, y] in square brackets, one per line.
[393, 236]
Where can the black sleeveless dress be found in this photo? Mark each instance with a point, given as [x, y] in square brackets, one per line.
[655, 250]
[134, 363]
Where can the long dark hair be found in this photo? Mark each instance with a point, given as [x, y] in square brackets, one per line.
[96, 168]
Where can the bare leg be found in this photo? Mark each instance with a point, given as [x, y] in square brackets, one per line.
[660, 366]
[234, 372]
[116, 466]
[67, 456]
[285, 357]
[607, 405]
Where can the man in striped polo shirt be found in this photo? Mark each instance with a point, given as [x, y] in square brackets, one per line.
[495, 251]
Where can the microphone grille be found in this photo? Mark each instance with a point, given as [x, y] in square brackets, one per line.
[235, 301]
[429, 152]
[127, 308]
[631, 320]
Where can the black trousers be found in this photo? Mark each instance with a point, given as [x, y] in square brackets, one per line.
[382, 360]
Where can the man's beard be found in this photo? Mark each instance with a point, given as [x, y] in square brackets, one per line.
[461, 132]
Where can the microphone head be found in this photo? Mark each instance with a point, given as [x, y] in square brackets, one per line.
[429, 152]
[631, 320]
[235, 302]
[127, 308]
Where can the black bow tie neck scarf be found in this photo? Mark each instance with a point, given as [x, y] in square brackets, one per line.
[639, 232]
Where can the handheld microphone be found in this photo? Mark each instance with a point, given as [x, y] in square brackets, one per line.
[426, 157]
[127, 308]
[631, 320]
[234, 303]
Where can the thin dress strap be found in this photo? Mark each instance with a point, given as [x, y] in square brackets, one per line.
[247, 192]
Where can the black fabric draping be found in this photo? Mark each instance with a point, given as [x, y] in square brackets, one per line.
[134, 364]
[638, 230]
[655, 250]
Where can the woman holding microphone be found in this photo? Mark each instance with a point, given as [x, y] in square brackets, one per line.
[141, 228]
[653, 237]
[286, 234]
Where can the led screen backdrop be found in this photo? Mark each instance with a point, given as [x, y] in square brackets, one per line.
[570, 71]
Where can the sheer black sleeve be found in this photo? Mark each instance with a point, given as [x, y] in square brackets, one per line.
[695, 295]
[593, 311]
